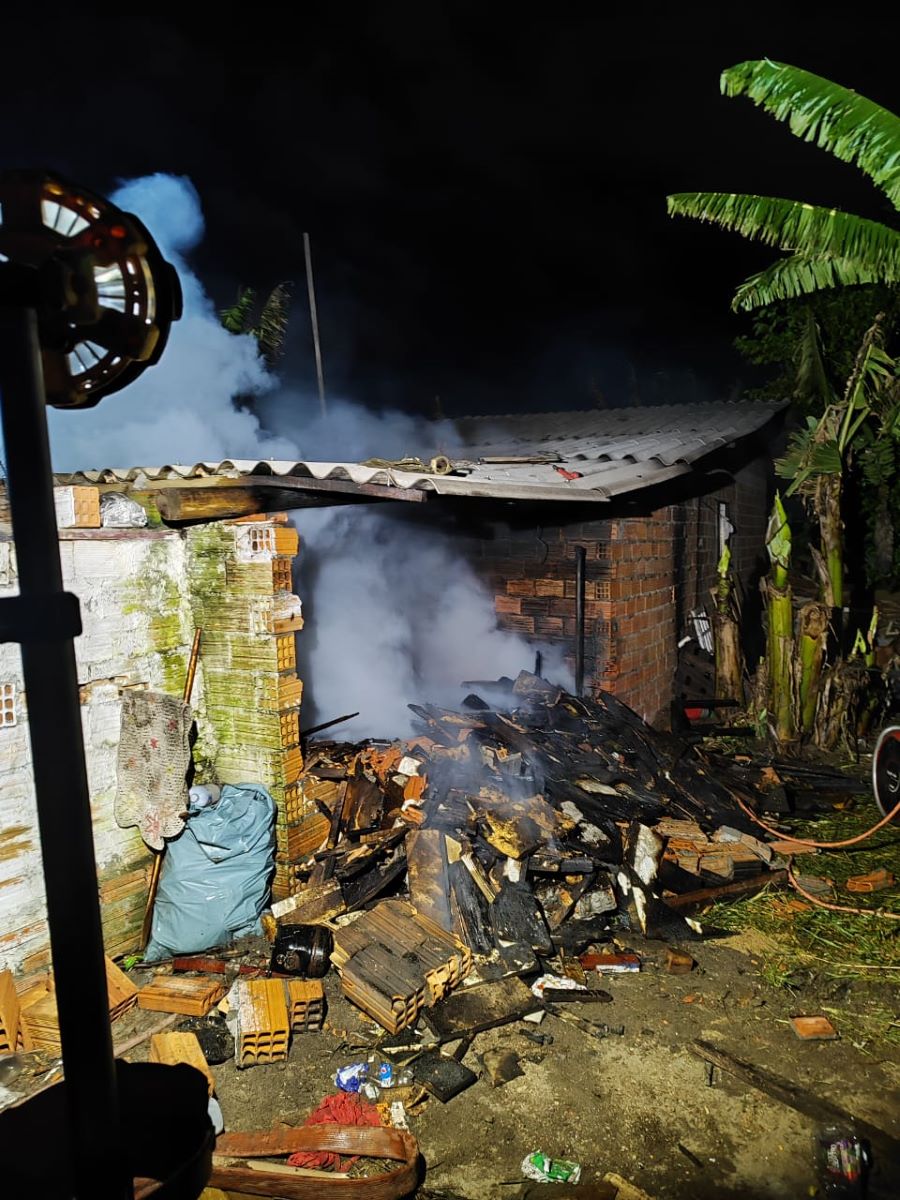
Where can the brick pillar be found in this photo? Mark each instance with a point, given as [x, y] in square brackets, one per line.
[240, 582]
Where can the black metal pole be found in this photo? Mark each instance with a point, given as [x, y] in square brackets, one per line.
[95, 1157]
[580, 557]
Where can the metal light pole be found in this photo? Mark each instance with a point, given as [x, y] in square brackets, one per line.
[82, 284]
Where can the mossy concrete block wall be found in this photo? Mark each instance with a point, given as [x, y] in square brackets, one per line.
[138, 628]
[239, 578]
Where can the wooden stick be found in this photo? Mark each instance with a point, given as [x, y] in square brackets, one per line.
[121, 1048]
[886, 1147]
[703, 895]
[314, 318]
[157, 861]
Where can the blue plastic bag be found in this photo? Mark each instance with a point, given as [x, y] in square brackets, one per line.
[215, 877]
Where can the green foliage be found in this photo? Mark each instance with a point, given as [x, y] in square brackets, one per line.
[238, 317]
[778, 535]
[781, 341]
[853, 128]
[270, 328]
[271, 331]
[827, 248]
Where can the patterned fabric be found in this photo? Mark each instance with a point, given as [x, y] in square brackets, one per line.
[154, 756]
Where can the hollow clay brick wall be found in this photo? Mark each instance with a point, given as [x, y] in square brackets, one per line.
[643, 576]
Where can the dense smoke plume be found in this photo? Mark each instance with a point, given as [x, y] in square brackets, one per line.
[394, 614]
[393, 611]
[181, 410]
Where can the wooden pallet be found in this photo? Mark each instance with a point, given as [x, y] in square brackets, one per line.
[263, 1027]
[174, 1048]
[9, 1014]
[306, 1004]
[193, 996]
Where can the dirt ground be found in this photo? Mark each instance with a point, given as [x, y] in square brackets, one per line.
[639, 1104]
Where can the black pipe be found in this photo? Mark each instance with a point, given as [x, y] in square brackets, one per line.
[45, 622]
[580, 556]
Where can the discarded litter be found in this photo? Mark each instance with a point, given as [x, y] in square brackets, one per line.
[556, 983]
[351, 1077]
[843, 1162]
[501, 1066]
[543, 1169]
[679, 963]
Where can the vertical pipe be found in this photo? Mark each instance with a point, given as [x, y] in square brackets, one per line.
[580, 556]
[314, 317]
[538, 663]
[93, 1158]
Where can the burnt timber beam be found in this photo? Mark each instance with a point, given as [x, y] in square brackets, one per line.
[182, 501]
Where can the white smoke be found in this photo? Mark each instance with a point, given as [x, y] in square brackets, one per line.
[395, 614]
[181, 410]
[393, 611]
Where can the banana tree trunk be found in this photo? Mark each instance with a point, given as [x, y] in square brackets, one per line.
[831, 534]
[781, 654]
[780, 627]
[727, 636]
[844, 684]
[812, 639]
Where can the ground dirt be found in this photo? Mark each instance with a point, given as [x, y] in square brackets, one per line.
[639, 1104]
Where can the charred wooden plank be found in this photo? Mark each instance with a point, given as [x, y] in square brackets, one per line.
[516, 917]
[429, 886]
[486, 1006]
[470, 910]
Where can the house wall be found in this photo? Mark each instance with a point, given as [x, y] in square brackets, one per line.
[644, 573]
[142, 594]
[136, 634]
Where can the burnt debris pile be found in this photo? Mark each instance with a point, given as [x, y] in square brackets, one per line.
[527, 824]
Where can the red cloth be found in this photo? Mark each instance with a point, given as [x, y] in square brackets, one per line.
[343, 1108]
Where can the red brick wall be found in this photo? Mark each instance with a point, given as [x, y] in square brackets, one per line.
[643, 576]
[640, 662]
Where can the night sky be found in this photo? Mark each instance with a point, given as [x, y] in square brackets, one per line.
[485, 191]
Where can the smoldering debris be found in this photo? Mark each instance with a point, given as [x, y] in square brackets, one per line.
[521, 833]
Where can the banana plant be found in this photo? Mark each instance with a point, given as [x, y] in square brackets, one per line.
[819, 454]
[780, 621]
[825, 247]
[726, 634]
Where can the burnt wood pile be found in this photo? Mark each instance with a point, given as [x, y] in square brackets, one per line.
[528, 823]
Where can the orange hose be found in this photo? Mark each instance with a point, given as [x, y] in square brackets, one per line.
[845, 908]
[860, 837]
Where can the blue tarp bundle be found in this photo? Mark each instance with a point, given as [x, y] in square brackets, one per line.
[215, 877]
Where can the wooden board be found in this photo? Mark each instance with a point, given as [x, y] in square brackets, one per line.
[313, 904]
[484, 1007]
[193, 997]
[429, 886]
[174, 1048]
[9, 1013]
[121, 990]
